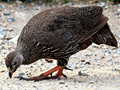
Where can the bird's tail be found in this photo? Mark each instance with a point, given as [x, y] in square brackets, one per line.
[105, 36]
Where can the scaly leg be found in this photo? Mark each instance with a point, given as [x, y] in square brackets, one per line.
[46, 74]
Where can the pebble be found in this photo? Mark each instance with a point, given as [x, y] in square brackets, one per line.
[119, 36]
[118, 5]
[118, 12]
[23, 7]
[6, 13]
[11, 19]
[40, 2]
[95, 45]
[2, 6]
[117, 51]
[0, 18]
[62, 82]
[102, 5]
[115, 69]
[107, 50]
[69, 3]
[2, 36]
[3, 29]
[87, 54]
[82, 74]
[36, 8]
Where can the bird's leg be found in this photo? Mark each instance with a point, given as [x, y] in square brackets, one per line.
[46, 74]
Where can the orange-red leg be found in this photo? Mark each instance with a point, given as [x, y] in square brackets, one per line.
[46, 74]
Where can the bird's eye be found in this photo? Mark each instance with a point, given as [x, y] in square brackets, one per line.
[15, 63]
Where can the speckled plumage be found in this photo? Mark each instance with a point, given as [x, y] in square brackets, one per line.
[61, 32]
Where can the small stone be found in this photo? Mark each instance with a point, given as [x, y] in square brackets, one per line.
[20, 75]
[2, 6]
[3, 29]
[102, 5]
[115, 69]
[69, 3]
[5, 25]
[40, 2]
[32, 4]
[87, 63]
[29, 1]
[10, 29]
[23, 7]
[82, 60]
[95, 45]
[0, 18]
[91, 82]
[82, 74]
[107, 50]
[118, 5]
[2, 36]
[119, 36]
[117, 13]
[62, 82]
[87, 54]
[36, 8]
[11, 19]
[6, 13]
[96, 76]
[6, 42]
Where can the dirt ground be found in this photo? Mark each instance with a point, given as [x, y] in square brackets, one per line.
[103, 73]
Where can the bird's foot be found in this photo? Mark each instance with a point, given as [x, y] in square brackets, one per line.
[36, 78]
[47, 74]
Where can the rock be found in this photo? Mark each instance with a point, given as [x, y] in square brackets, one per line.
[62, 82]
[95, 45]
[96, 76]
[84, 5]
[29, 1]
[40, 2]
[82, 60]
[8, 0]
[0, 18]
[82, 74]
[10, 29]
[119, 36]
[107, 50]
[118, 5]
[69, 3]
[102, 5]
[2, 6]
[118, 12]
[87, 63]
[91, 82]
[23, 7]
[2, 36]
[32, 4]
[11, 19]
[3, 29]
[36, 8]
[115, 69]
[20, 75]
[6, 42]
[87, 54]
[6, 13]
[117, 51]
[14, 39]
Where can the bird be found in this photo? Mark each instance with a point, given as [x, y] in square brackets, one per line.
[58, 33]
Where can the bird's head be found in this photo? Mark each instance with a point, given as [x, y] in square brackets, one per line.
[13, 61]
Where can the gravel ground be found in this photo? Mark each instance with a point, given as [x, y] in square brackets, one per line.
[96, 68]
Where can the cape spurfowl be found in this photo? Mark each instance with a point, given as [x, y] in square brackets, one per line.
[57, 34]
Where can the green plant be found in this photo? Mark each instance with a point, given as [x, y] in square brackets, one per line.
[65, 1]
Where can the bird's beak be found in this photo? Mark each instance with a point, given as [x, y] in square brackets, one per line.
[11, 72]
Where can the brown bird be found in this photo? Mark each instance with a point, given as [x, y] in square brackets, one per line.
[57, 34]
